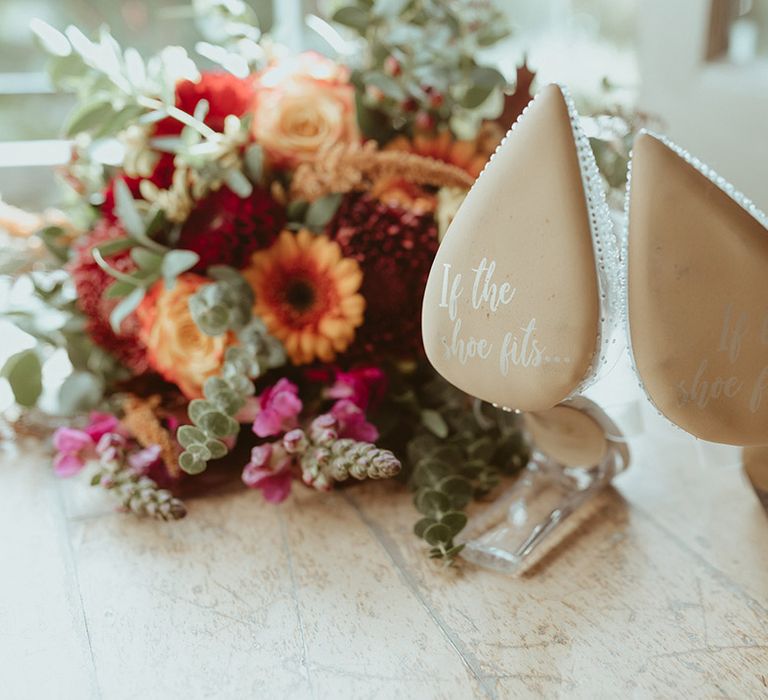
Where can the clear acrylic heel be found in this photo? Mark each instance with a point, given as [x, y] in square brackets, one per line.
[576, 452]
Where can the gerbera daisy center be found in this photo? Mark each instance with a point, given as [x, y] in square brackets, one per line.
[300, 295]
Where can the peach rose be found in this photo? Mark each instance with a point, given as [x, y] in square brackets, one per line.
[303, 104]
[176, 348]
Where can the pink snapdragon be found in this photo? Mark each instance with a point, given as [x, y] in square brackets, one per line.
[352, 423]
[363, 386]
[270, 471]
[145, 459]
[74, 447]
[101, 423]
[279, 408]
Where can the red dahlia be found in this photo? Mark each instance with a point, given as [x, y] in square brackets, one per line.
[225, 93]
[90, 283]
[224, 229]
[395, 248]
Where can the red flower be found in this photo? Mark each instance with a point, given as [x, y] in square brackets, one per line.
[162, 176]
[90, 283]
[363, 386]
[394, 249]
[226, 94]
[225, 229]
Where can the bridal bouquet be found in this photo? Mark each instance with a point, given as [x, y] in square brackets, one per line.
[238, 283]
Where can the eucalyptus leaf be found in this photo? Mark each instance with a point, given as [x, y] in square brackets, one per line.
[322, 210]
[115, 246]
[238, 183]
[126, 210]
[388, 85]
[475, 96]
[118, 121]
[254, 163]
[126, 307]
[432, 502]
[146, 259]
[217, 424]
[353, 17]
[88, 117]
[390, 8]
[297, 210]
[455, 521]
[199, 407]
[438, 534]
[177, 261]
[24, 373]
[420, 527]
[487, 77]
[189, 435]
[80, 392]
[191, 464]
[118, 288]
[51, 237]
[216, 448]
[50, 38]
[434, 422]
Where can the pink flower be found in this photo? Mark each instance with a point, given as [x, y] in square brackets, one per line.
[352, 423]
[144, 459]
[100, 424]
[270, 471]
[110, 445]
[363, 386]
[279, 407]
[295, 441]
[74, 448]
[248, 413]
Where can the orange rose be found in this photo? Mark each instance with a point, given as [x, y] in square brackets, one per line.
[176, 348]
[303, 104]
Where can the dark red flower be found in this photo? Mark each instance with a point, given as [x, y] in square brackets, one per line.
[162, 176]
[225, 229]
[226, 94]
[91, 282]
[395, 249]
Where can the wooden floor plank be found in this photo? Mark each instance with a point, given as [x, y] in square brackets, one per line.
[44, 644]
[626, 605]
[663, 595]
[367, 632]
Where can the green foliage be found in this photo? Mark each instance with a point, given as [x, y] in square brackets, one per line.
[321, 211]
[313, 215]
[420, 67]
[457, 451]
[218, 308]
[118, 90]
[223, 305]
[153, 260]
[52, 318]
[24, 373]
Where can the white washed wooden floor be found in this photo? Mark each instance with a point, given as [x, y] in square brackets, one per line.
[666, 595]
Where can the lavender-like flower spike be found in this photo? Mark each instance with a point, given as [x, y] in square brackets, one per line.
[137, 493]
[326, 458]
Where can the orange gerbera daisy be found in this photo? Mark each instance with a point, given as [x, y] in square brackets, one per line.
[306, 294]
[470, 155]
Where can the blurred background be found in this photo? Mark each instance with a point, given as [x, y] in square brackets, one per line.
[700, 66]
